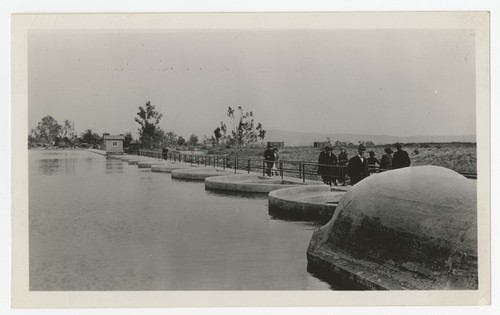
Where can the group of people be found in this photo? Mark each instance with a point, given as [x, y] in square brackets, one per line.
[358, 167]
[330, 174]
[271, 157]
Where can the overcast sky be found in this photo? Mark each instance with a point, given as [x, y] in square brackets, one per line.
[380, 82]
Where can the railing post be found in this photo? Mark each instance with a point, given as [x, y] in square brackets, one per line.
[235, 164]
[303, 174]
[248, 166]
[263, 167]
[281, 169]
[224, 163]
[300, 169]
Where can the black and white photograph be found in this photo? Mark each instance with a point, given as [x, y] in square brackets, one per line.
[309, 153]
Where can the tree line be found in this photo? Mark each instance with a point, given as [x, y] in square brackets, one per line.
[49, 132]
[243, 130]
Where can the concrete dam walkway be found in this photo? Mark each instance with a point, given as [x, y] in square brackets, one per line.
[407, 229]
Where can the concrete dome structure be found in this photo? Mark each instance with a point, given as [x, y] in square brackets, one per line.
[411, 228]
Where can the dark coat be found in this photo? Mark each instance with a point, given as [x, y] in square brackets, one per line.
[372, 161]
[386, 162]
[326, 159]
[343, 159]
[400, 159]
[269, 154]
[357, 170]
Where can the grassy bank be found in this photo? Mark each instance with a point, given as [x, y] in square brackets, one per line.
[461, 157]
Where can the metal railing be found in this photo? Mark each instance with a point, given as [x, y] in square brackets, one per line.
[281, 168]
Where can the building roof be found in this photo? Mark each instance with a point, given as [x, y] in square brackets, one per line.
[113, 137]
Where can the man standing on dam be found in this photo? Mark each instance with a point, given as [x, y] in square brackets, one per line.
[357, 169]
[400, 158]
[269, 158]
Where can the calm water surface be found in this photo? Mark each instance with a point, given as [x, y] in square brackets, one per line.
[106, 225]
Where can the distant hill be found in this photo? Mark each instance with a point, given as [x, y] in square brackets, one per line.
[295, 138]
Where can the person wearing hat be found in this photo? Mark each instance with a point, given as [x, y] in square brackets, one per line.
[400, 158]
[269, 158]
[373, 163]
[342, 159]
[386, 160]
[357, 169]
[326, 161]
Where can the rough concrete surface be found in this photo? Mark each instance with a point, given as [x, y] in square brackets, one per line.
[150, 163]
[253, 183]
[201, 172]
[411, 228]
[316, 202]
[169, 166]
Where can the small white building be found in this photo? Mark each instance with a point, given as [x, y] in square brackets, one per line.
[113, 144]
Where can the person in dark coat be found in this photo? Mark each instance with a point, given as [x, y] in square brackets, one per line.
[373, 162]
[164, 153]
[341, 171]
[386, 160]
[326, 170]
[357, 169]
[400, 158]
[269, 158]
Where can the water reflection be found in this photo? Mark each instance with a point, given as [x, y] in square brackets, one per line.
[113, 167]
[290, 218]
[55, 166]
[297, 217]
[335, 282]
[235, 194]
[48, 166]
[112, 226]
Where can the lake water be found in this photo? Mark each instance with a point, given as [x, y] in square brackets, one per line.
[97, 224]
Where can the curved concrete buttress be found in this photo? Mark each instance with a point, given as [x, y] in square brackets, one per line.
[315, 202]
[411, 228]
[253, 183]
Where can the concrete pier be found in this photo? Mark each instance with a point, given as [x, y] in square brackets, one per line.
[118, 157]
[150, 163]
[200, 173]
[100, 152]
[413, 228]
[306, 203]
[169, 166]
[253, 183]
[135, 161]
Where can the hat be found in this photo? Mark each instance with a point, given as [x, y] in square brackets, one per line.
[362, 147]
[398, 146]
[328, 148]
[342, 149]
[388, 150]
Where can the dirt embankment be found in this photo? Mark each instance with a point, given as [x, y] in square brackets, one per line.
[460, 157]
